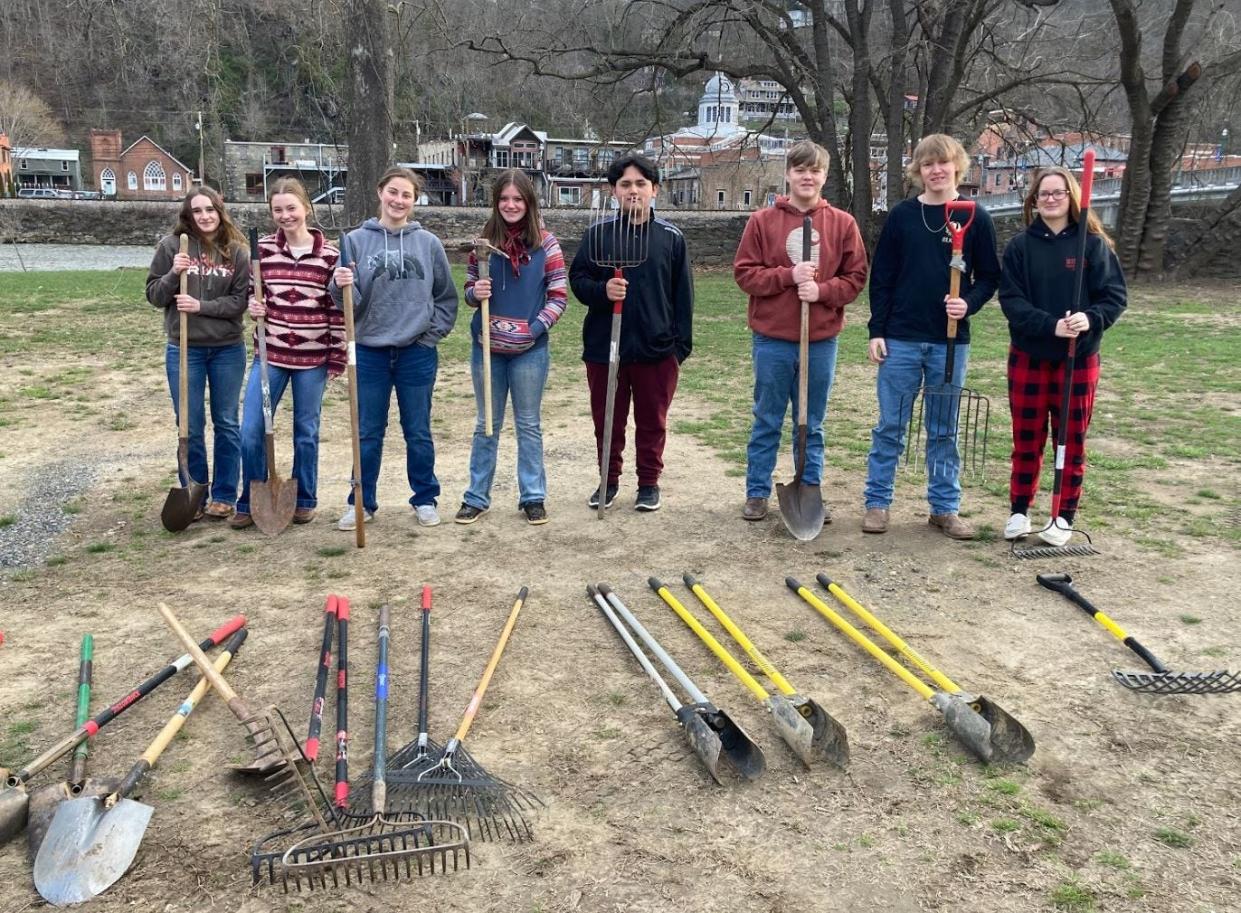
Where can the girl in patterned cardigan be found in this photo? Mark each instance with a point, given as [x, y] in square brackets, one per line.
[305, 344]
[527, 292]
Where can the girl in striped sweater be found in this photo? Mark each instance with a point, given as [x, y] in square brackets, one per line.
[527, 291]
[305, 344]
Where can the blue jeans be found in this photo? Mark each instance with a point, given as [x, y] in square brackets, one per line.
[524, 376]
[221, 368]
[308, 386]
[909, 366]
[775, 388]
[411, 371]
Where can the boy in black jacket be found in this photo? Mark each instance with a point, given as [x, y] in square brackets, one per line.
[656, 329]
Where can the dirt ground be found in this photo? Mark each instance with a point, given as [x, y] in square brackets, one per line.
[1129, 803]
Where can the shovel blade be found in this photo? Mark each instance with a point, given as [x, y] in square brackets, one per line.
[704, 742]
[46, 801]
[87, 849]
[272, 504]
[809, 730]
[14, 806]
[737, 748]
[801, 508]
[181, 506]
[985, 728]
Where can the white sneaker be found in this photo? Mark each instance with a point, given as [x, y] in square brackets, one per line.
[349, 520]
[1018, 525]
[1057, 534]
[427, 515]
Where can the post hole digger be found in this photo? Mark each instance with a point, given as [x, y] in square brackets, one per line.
[183, 501]
[14, 800]
[948, 424]
[711, 733]
[1161, 680]
[273, 500]
[801, 505]
[93, 840]
[809, 730]
[986, 729]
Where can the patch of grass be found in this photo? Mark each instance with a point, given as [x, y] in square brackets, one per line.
[99, 548]
[968, 818]
[55, 561]
[1005, 787]
[331, 551]
[607, 733]
[794, 637]
[1072, 897]
[616, 698]
[1112, 860]
[985, 533]
[22, 576]
[1190, 620]
[245, 549]
[1208, 493]
[1005, 825]
[171, 794]
[1043, 819]
[73, 507]
[7, 520]
[1170, 836]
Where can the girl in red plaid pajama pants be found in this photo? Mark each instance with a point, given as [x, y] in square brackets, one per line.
[1036, 295]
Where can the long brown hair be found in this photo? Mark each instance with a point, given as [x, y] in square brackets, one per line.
[293, 187]
[494, 231]
[228, 237]
[1029, 208]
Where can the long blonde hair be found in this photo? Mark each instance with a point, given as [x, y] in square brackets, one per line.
[293, 187]
[1029, 208]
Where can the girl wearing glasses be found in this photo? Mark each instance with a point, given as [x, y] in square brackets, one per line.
[1036, 293]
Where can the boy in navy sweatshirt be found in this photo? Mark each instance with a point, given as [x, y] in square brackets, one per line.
[910, 307]
[656, 329]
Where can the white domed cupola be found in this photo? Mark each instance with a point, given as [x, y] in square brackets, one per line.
[718, 106]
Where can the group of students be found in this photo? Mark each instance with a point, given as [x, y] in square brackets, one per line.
[406, 302]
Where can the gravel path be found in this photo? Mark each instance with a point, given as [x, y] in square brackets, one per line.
[40, 518]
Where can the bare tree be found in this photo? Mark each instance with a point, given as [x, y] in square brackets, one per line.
[26, 117]
[371, 103]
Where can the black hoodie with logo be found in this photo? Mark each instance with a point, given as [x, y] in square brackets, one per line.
[1036, 289]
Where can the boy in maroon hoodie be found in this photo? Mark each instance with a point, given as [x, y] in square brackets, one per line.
[770, 269]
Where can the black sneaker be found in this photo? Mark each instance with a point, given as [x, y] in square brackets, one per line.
[648, 498]
[469, 513]
[536, 514]
[594, 497]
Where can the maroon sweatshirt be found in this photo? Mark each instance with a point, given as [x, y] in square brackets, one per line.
[763, 268]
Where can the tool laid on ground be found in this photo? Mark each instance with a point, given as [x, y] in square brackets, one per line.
[711, 732]
[14, 800]
[351, 375]
[986, 729]
[617, 242]
[955, 415]
[92, 841]
[448, 790]
[1077, 550]
[482, 254]
[276, 750]
[419, 753]
[46, 799]
[379, 847]
[315, 727]
[184, 501]
[801, 505]
[1163, 681]
[809, 730]
[272, 502]
[341, 795]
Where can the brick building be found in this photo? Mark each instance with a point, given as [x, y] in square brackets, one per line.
[144, 170]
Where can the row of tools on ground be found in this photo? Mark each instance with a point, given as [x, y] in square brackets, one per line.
[420, 807]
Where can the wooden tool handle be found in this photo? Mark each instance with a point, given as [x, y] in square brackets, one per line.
[183, 342]
[204, 664]
[482, 253]
[477, 700]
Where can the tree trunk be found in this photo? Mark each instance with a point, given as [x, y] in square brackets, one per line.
[370, 105]
[895, 124]
[825, 106]
[858, 14]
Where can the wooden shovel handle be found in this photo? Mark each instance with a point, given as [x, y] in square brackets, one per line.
[351, 374]
[482, 253]
[477, 700]
[235, 704]
[183, 342]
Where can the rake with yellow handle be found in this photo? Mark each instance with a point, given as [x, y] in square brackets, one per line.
[832, 742]
[984, 728]
[818, 734]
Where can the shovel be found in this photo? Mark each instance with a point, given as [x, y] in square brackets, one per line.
[46, 799]
[14, 800]
[801, 505]
[809, 730]
[987, 730]
[272, 502]
[482, 253]
[181, 505]
[711, 732]
[92, 841]
[351, 374]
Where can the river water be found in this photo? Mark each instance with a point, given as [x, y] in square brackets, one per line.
[19, 257]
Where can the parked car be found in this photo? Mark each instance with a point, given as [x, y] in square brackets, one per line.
[37, 193]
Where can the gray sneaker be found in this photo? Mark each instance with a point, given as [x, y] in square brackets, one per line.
[427, 515]
[349, 519]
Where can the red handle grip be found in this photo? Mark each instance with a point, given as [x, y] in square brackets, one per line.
[1087, 177]
[342, 608]
[220, 634]
[426, 599]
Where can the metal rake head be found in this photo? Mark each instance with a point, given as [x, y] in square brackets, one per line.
[287, 772]
[618, 239]
[1221, 682]
[1078, 550]
[946, 427]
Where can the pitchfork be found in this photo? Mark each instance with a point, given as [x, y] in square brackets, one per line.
[953, 416]
[616, 242]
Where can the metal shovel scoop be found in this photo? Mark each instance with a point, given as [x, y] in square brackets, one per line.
[809, 730]
[93, 841]
[45, 800]
[181, 505]
[711, 732]
[801, 505]
[272, 502]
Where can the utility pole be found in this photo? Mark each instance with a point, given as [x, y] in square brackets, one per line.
[201, 148]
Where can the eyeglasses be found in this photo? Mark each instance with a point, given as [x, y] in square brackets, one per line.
[1052, 194]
